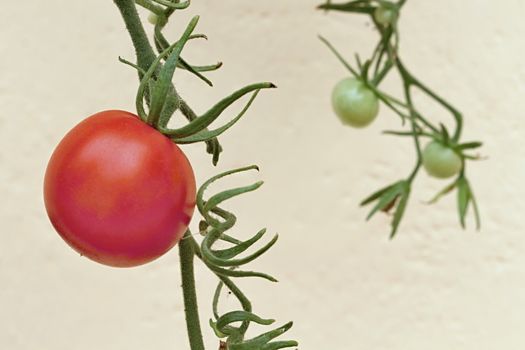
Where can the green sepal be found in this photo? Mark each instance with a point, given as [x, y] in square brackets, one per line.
[165, 76]
[468, 145]
[445, 136]
[202, 122]
[206, 135]
[358, 6]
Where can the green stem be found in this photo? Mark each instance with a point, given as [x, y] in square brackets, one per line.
[143, 49]
[187, 253]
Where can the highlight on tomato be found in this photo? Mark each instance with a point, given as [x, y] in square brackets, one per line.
[118, 191]
[441, 161]
[354, 103]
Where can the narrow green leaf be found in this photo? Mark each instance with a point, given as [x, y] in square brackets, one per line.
[378, 194]
[213, 113]
[463, 199]
[387, 198]
[400, 210]
[443, 192]
[220, 197]
[339, 57]
[173, 5]
[240, 248]
[206, 135]
[476, 209]
[259, 341]
[200, 193]
[166, 74]
[361, 6]
[239, 316]
[469, 145]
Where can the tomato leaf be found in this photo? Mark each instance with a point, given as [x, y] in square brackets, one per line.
[443, 192]
[263, 341]
[239, 316]
[207, 135]
[359, 6]
[241, 247]
[200, 123]
[400, 210]
[387, 197]
[469, 145]
[399, 133]
[378, 194]
[339, 57]
[477, 216]
[463, 199]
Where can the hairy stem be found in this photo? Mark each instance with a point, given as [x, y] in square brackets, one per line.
[187, 253]
[143, 49]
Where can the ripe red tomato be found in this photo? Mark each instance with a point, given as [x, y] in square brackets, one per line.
[118, 191]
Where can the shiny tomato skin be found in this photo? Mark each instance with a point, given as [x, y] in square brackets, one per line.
[118, 191]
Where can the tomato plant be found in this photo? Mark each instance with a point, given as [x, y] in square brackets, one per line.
[441, 161]
[354, 103]
[118, 191]
[445, 156]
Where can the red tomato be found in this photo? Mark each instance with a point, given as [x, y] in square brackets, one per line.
[118, 191]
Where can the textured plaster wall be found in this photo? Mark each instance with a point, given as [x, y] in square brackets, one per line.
[343, 282]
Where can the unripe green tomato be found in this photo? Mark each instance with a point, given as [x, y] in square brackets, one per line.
[385, 16]
[153, 18]
[354, 103]
[441, 161]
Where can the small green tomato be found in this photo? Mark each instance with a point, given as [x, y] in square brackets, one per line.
[385, 16]
[441, 161]
[153, 18]
[354, 103]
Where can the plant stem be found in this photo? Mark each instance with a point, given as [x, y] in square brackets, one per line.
[187, 253]
[143, 49]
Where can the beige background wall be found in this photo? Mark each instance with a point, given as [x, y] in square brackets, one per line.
[343, 282]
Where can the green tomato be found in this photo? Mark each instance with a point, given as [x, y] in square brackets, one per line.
[441, 161]
[153, 18]
[385, 16]
[354, 103]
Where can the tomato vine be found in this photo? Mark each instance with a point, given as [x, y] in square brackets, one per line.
[156, 102]
[443, 152]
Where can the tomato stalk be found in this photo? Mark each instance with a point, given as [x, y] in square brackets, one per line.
[384, 59]
[187, 254]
